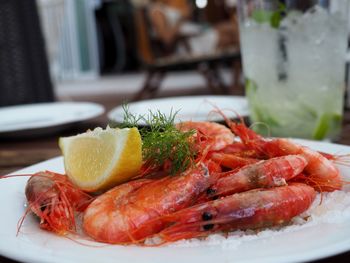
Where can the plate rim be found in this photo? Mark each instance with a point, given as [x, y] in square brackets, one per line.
[113, 113]
[98, 110]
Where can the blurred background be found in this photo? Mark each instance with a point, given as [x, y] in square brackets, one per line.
[104, 52]
[133, 49]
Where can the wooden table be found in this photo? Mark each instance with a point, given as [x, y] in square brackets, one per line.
[21, 152]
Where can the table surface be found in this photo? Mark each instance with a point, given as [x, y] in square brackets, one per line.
[17, 153]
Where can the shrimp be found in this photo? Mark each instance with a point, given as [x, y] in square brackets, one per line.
[239, 149]
[235, 147]
[264, 174]
[231, 160]
[320, 172]
[116, 218]
[54, 199]
[248, 210]
[214, 135]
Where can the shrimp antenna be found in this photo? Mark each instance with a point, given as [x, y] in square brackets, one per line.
[21, 220]
[255, 124]
[13, 175]
[221, 112]
[341, 159]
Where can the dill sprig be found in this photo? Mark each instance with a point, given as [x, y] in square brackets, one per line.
[162, 142]
[129, 120]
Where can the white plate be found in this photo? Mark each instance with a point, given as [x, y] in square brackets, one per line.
[44, 116]
[196, 108]
[34, 245]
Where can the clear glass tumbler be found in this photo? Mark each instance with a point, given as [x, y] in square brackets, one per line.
[293, 55]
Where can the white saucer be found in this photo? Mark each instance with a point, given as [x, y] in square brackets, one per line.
[196, 108]
[41, 117]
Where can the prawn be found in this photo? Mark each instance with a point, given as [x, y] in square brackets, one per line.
[320, 172]
[231, 161]
[54, 200]
[263, 174]
[213, 135]
[239, 149]
[129, 218]
[248, 210]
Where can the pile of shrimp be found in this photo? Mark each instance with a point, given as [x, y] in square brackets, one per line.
[240, 180]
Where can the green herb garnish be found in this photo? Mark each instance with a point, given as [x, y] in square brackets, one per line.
[163, 144]
[129, 120]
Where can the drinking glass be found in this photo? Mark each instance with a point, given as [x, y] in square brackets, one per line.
[293, 55]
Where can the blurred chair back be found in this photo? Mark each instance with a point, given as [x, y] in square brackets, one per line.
[145, 52]
[158, 59]
[24, 71]
[150, 47]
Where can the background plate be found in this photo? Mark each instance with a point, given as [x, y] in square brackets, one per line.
[45, 117]
[196, 108]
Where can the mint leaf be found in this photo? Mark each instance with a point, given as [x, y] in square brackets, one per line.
[274, 18]
[277, 16]
[261, 16]
[250, 86]
[326, 123]
[258, 112]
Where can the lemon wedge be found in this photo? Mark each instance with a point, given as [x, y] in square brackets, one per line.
[102, 158]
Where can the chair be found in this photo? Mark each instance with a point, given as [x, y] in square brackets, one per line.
[157, 67]
[24, 72]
